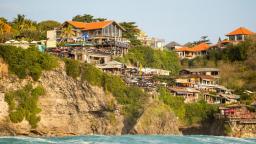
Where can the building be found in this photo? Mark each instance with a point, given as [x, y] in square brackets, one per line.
[143, 38]
[239, 113]
[191, 53]
[236, 36]
[51, 39]
[221, 98]
[105, 35]
[113, 67]
[215, 72]
[157, 43]
[152, 71]
[186, 80]
[239, 34]
[189, 94]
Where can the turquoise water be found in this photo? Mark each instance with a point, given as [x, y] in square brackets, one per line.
[128, 139]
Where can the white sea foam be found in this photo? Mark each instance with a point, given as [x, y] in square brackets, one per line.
[129, 139]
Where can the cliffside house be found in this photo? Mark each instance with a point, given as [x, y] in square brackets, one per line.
[189, 94]
[239, 34]
[105, 35]
[214, 72]
[113, 67]
[193, 52]
[236, 36]
[221, 98]
[238, 113]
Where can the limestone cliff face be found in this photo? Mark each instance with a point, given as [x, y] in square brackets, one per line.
[158, 118]
[72, 107]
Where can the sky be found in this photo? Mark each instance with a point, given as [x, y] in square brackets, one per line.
[173, 20]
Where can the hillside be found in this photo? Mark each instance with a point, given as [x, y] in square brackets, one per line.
[237, 64]
[68, 98]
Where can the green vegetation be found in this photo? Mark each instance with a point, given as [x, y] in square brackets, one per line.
[23, 104]
[72, 68]
[188, 113]
[148, 57]
[132, 98]
[87, 18]
[29, 62]
[131, 33]
[26, 29]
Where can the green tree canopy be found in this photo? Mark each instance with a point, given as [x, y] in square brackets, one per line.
[131, 33]
[48, 25]
[87, 18]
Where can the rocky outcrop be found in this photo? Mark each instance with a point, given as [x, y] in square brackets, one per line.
[72, 107]
[158, 118]
[247, 130]
[69, 107]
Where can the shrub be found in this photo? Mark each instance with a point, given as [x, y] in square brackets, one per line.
[175, 103]
[149, 57]
[29, 62]
[72, 68]
[188, 113]
[91, 74]
[26, 100]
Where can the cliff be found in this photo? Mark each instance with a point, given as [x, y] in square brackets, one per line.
[72, 107]
[157, 118]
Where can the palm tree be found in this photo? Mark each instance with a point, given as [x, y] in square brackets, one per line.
[67, 32]
[22, 23]
[19, 21]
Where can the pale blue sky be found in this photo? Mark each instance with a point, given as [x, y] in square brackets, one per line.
[178, 20]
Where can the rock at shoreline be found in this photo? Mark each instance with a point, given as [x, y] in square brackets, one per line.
[158, 118]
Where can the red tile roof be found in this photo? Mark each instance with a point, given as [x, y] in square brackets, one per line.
[90, 26]
[200, 47]
[240, 31]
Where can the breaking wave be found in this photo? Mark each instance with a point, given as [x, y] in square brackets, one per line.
[127, 139]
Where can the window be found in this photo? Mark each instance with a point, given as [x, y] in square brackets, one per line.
[232, 38]
[239, 37]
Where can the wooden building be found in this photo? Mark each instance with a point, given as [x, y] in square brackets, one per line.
[105, 35]
[189, 94]
[215, 72]
[221, 98]
[113, 67]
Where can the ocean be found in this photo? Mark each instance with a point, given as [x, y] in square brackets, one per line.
[127, 139]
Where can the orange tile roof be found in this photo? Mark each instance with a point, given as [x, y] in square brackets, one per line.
[199, 47]
[240, 31]
[90, 26]
[226, 41]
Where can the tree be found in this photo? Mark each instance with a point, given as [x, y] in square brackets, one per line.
[48, 25]
[4, 27]
[67, 33]
[25, 28]
[87, 18]
[44, 26]
[131, 33]
[5, 31]
[21, 23]
[3, 19]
